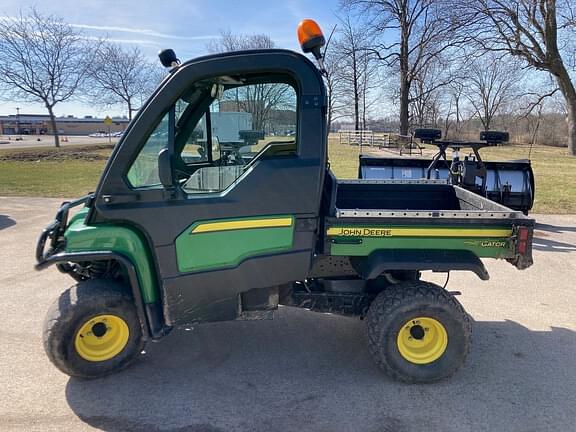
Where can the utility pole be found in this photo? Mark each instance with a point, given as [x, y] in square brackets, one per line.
[18, 121]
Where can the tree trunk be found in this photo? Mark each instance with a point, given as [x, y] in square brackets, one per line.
[356, 102]
[572, 128]
[405, 80]
[569, 93]
[330, 110]
[54, 127]
[364, 109]
[329, 113]
[457, 102]
[404, 103]
[129, 102]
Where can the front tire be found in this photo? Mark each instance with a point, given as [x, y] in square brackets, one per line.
[418, 332]
[93, 330]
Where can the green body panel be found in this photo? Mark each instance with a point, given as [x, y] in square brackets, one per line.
[199, 251]
[116, 238]
[482, 246]
[370, 245]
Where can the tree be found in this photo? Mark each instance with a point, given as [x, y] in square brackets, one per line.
[333, 87]
[355, 68]
[491, 83]
[121, 76]
[456, 95]
[261, 100]
[422, 30]
[42, 59]
[228, 42]
[535, 31]
[426, 93]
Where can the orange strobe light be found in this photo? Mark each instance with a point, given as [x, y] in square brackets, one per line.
[310, 37]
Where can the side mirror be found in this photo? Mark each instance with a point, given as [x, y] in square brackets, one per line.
[165, 169]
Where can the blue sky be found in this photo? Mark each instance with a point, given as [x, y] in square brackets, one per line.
[184, 25]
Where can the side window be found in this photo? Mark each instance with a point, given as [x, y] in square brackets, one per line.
[144, 169]
[215, 146]
[196, 148]
[246, 122]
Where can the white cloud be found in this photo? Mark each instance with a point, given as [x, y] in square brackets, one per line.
[126, 41]
[146, 32]
[106, 28]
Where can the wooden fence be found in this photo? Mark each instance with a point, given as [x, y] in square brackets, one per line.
[402, 144]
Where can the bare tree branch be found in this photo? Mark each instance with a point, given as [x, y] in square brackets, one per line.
[530, 30]
[121, 76]
[42, 59]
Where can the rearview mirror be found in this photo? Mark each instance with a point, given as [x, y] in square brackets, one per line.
[165, 169]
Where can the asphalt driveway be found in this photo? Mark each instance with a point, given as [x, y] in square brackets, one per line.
[302, 371]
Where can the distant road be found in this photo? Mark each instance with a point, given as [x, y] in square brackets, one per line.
[28, 141]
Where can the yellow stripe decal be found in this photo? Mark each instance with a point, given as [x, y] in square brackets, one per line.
[242, 224]
[416, 232]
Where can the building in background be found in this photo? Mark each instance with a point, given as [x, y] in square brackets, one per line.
[32, 124]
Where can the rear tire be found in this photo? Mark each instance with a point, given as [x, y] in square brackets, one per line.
[93, 330]
[418, 332]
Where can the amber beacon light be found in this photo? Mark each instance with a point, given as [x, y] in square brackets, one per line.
[311, 38]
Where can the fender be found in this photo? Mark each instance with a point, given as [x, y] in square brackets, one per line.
[78, 242]
[149, 314]
[379, 261]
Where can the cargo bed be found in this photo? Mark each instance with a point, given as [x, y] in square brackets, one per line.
[424, 224]
[416, 198]
[510, 183]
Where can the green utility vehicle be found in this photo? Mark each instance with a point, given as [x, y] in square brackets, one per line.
[186, 226]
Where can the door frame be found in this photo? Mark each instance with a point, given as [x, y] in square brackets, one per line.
[149, 211]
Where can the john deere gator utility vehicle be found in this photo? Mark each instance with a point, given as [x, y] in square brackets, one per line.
[195, 221]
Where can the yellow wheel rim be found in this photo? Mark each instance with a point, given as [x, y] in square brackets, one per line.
[101, 338]
[422, 340]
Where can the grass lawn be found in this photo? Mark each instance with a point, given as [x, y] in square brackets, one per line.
[49, 172]
[555, 172]
[73, 171]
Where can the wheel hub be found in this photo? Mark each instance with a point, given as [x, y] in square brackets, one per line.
[99, 329]
[422, 340]
[101, 338]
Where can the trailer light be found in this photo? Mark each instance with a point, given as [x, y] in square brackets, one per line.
[523, 234]
[310, 37]
[522, 246]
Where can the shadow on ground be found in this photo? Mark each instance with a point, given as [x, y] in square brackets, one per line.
[312, 372]
[554, 228]
[6, 222]
[548, 245]
[543, 242]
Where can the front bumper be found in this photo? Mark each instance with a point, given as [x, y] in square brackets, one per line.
[55, 233]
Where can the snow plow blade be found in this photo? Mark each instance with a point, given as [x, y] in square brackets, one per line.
[509, 183]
